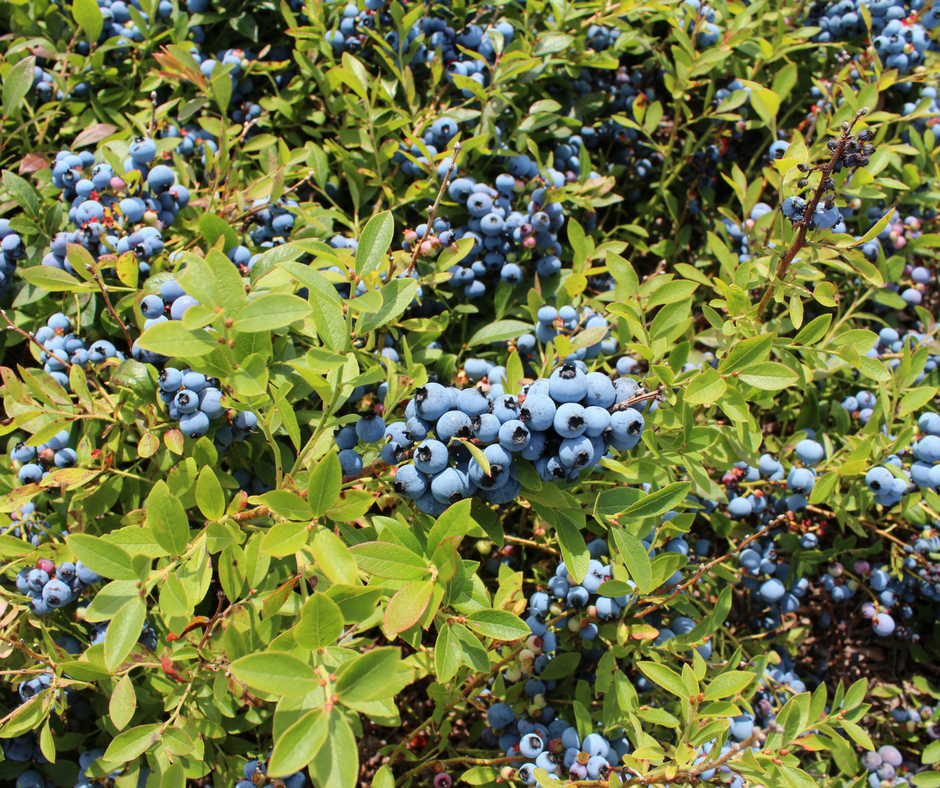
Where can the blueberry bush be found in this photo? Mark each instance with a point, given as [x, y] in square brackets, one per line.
[399, 394]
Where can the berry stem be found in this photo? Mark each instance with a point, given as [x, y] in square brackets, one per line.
[433, 210]
[800, 241]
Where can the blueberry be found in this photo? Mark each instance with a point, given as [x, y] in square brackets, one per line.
[500, 715]
[346, 437]
[431, 401]
[186, 401]
[569, 420]
[350, 462]
[56, 593]
[431, 457]
[151, 306]
[170, 379]
[65, 458]
[194, 425]
[370, 428]
[410, 482]
[514, 435]
[450, 486]
[567, 384]
[30, 474]
[810, 452]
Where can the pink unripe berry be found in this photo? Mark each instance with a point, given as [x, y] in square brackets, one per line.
[117, 184]
[45, 565]
[443, 780]
[529, 243]
[861, 567]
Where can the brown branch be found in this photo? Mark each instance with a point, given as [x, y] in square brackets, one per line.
[433, 210]
[800, 241]
[707, 568]
[96, 275]
[11, 326]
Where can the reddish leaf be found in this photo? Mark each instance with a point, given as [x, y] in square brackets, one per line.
[94, 134]
[32, 162]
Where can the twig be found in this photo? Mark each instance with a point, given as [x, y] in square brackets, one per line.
[11, 326]
[96, 275]
[433, 209]
[153, 115]
[706, 568]
[658, 396]
[800, 241]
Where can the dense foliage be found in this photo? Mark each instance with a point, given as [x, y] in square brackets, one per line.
[399, 394]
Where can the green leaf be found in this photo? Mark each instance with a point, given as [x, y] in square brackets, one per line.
[447, 655]
[705, 388]
[107, 559]
[333, 557]
[167, 519]
[374, 242]
[277, 673]
[498, 624]
[659, 502]
[769, 376]
[455, 521]
[19, 81]
[874, 230]
[283, 503]
[299, 744]
[390, 561]
[931, 753]
[123, 702]
[574, 550]
[284, 539]
[53, 280]
[927, 780]
[209, 495]
[813, 331]
[89, 18]
[321, 623]
[336, 766]
[407, 606]
[123, 632]
[747, 352]
[173, 340]
[367, 677]
[499, 331]
[728, 684]
[131, 744]
[271, 311]
[562, 666]
[635, 558]
[324, 485]
[668, 679]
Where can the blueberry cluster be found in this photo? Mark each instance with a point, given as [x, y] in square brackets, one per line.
[426, 38]
[701, 21]
[196, 401]
[193, 140]
[12, 249]
[506, 241]
[555, 747]
[50, 587]
[272, 225]
[900, 33]
[62, 348]
[37, 462]
[116, 214]
[891, 481]
[255, 773]
[564, 424]
[30, 525]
